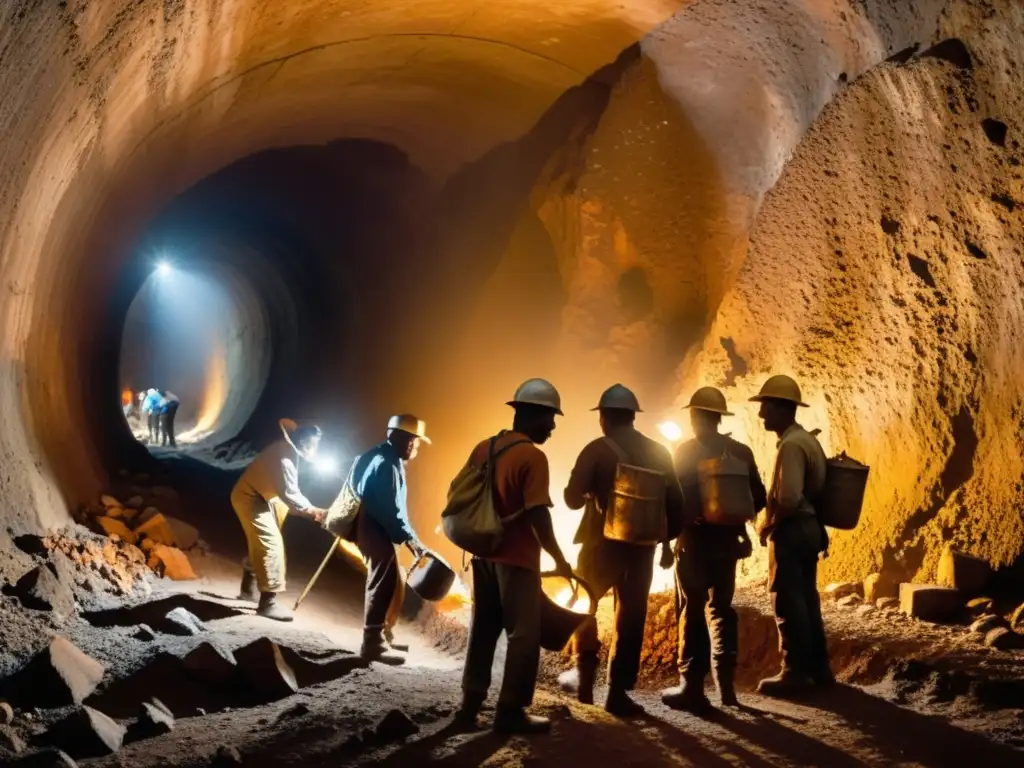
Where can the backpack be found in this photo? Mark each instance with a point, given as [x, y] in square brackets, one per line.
[470, 519]
[636, 511]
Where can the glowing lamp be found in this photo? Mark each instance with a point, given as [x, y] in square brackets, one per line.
[670, 431]
[163, 268]
[326, 465]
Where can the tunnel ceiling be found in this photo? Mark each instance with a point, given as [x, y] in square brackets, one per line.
[565, 145]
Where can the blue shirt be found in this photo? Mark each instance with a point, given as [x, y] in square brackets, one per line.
[154, 403]
[378, 479]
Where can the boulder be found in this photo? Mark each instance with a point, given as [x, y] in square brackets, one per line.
[113, 527]
[211, 664]
[155, 719]
[135, 502]
[979, 606]
[6, 713]
[171, 563]
[929, 602]
[265, 669]
[226, 756]
[985, 624]
[180, 622]
[10, 741]
[1004, 639]
[878, 585]
[840, 590]
[964, 572]
[88, 733]
[887, 603]
[41, 590]
[171, 531]
[395, 725]
[850, 601]
[109, 501]
[147, 514]
[46, 758]
[145, 633]
[1017, 617]
[57, 676]
[865, 609]
[147, 545]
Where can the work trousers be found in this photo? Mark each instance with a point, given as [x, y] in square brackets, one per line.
[705, 585]
[792, 581]
[505, 597]
[384, 587]
[153, 421]
[261, 521]
[628, 569]
[167, 425]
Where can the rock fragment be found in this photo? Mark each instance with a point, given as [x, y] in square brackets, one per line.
[135, 502]
[840, 590]
[113, 527]
[145, 633]
[964, 572]
[850, 601]
[57, 676]
[155, 719]
[879, 585]
[109, 501]
[6, 713]
[929, 602]
[10, 741]
[180, 622]
[985, 624]
[887, 603]
[227, 756]
[46, 758]
[265, 669]
[211, 664]
[979, 606]
[394, 726]
[41, 590]
[1017, 617]
[88, 733]
[171, 563]
[1004, 639]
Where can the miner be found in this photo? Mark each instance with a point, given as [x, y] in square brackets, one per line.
[607, 564]
[378, 479]
[262, 498]
[506, 582]
[795, 539]
[708, 552]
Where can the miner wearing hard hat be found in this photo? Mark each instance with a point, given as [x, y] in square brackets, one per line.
[608, 564]
[506, 581]
[795, 538]
[263, 496]
[708, 551]
[378, 480]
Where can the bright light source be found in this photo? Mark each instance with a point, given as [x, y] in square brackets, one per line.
[163, 268]
[326, 465]
[670, 431]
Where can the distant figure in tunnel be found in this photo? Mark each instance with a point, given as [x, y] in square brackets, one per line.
[606, 564]
[378, 479]
[795, 539]
[507, 583]
[707, 554]
[151, 408]
[262, 498]
[168, 411]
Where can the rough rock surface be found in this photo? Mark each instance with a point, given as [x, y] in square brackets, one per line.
[265, 669]
[878, 586]
[41, 590]
[180, 621]
[88, 733]
[930, 603]
[171, 563]
[211, 663]
[58, 675]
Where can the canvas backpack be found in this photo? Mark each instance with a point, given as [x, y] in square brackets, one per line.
[470, 519]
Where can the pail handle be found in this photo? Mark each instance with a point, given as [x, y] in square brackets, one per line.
[576, 589]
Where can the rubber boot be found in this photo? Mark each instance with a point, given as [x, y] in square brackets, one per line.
[270, 608]
[724, 679]
[375, 648]
[515, 720]
[785, 684]
[580, 680]
[468, 714]
[619, 704]
[823, 676]
[688, 696]
[249, 592]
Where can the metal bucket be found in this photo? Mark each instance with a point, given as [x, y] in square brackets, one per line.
[842, 497]
[559, 623]
[430, 577]
[636, 507]
[725, 491]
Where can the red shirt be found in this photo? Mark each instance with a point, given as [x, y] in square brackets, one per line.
[521, 480]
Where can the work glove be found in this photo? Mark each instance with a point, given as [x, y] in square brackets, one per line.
[317, 515]
[563, 569]
[668, 557]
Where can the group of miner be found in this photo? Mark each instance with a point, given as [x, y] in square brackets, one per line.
[507, 581]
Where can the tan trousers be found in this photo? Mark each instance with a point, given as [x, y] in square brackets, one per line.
[261, 521]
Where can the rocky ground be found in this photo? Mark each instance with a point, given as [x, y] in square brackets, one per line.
[108, 659]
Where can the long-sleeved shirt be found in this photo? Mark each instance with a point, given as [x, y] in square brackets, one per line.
[687, 460]
[593, 478]
[378, 479]
[272, 475]
[798, 478]
[153, 403]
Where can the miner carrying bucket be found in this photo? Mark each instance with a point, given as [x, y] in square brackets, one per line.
[795, 538]
[632, 501]
[723, 491]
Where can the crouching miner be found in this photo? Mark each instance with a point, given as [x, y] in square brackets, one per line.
[795, 538]
[611, 558]
[708, 551]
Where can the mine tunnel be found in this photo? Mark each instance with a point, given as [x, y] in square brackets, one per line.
[337, 212]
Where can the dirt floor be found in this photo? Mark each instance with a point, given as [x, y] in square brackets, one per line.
[913, 693]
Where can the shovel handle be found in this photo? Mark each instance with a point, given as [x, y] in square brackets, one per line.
[579, 583]
[312, 581]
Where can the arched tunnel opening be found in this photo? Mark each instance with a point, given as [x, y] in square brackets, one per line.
[338, 212]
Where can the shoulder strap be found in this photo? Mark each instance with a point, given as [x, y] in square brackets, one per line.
[619, 451]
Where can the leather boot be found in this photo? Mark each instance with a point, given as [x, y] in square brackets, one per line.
[467, 716]
[389, 638]
[375, 648]
[580, 680]
[619, 704]
[724, 679]
[785, 684]
[249, 592]
[270, 608]
[515, 720]
[688, 696]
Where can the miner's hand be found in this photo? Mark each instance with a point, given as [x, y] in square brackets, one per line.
[316, 514]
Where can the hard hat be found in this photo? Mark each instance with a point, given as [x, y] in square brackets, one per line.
[618, 396]
[406, 422]
[780, 388]
[709, 399]
[538, 392]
